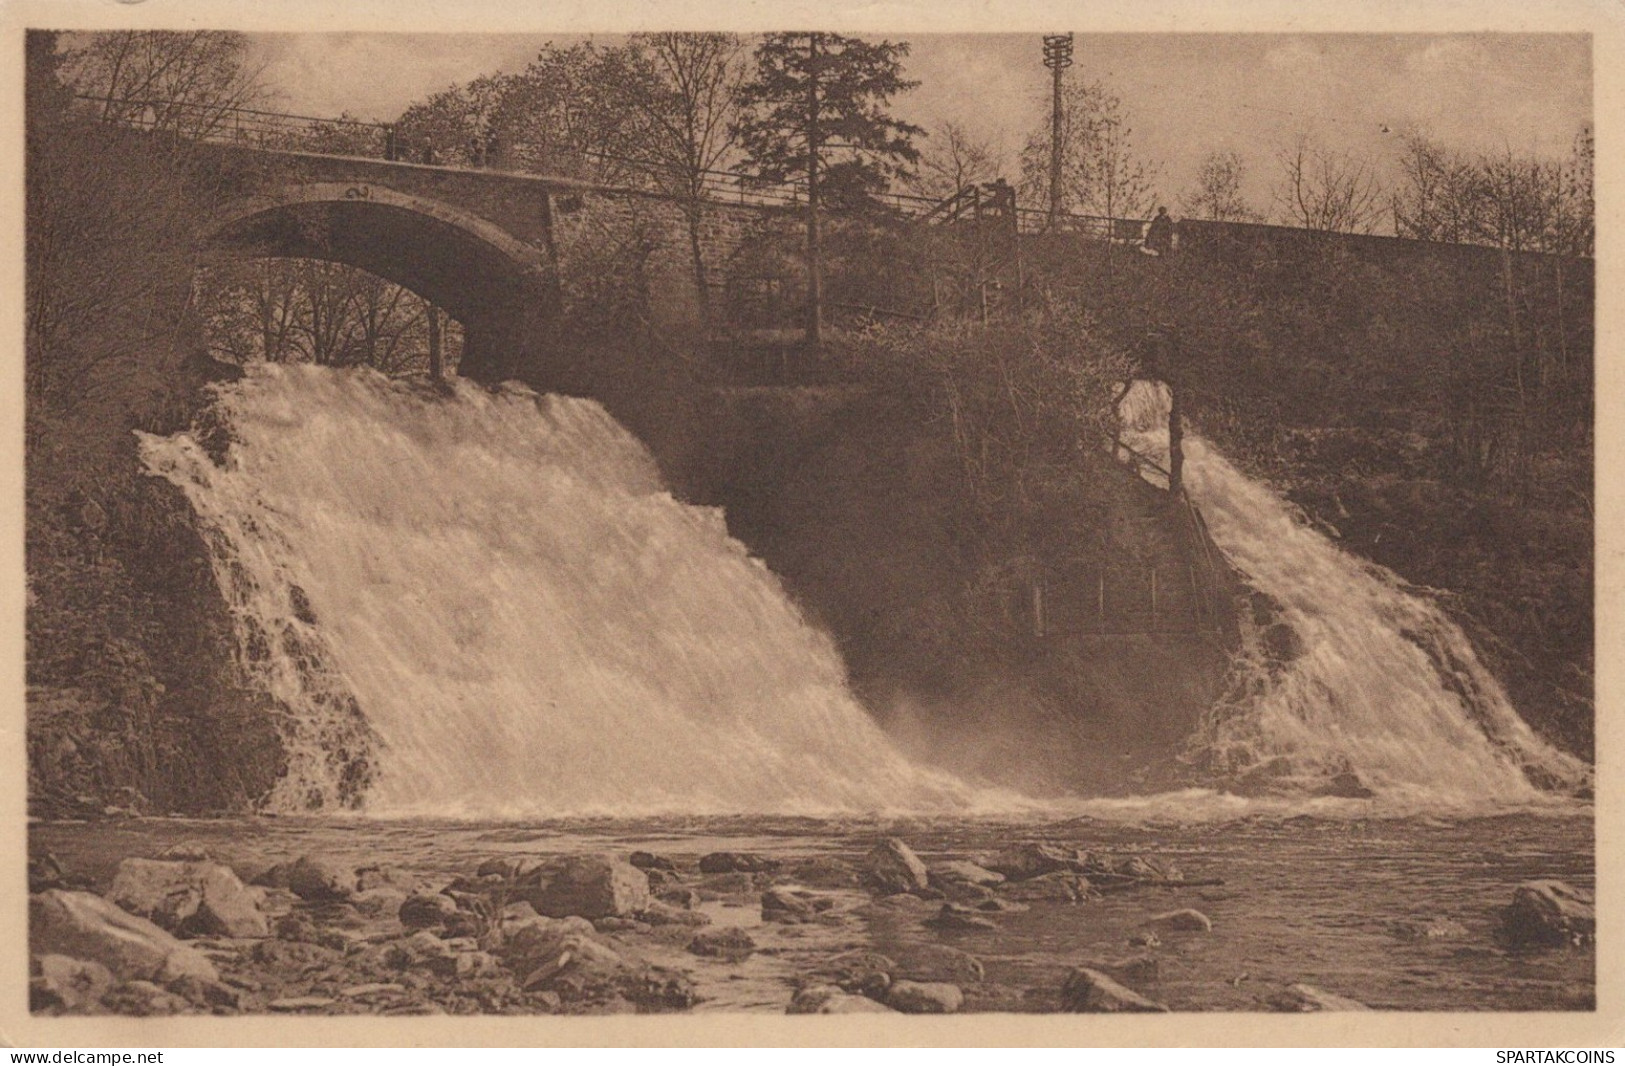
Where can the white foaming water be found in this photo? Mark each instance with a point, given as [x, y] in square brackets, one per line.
[1386, 686]
[530, 624]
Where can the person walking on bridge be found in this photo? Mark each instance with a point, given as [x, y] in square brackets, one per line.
[1159, 236]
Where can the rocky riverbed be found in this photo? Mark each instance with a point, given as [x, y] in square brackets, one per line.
[167, 916]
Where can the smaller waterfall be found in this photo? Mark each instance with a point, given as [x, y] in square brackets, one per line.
[1379, 683]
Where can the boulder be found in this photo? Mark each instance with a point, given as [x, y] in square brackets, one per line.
[1061, 886]
[867, 973]
[382, 902]
[892, 867]
[781, 904]
[959, 872]
[658, 913]
[937, 962]
[315, 878]
[380, 875]
[679, 896]
[917, 997]
[59, 982]
[729, 862]
[1021, 862]
[1087, 991]
[730, 944]
[1186, 920]
[648, 860]
[1309, 998]
[210, 995]
[85, 926]
[189, 898]
[143, 999]
[426, 910]
[1549, 913]
[1133, 970]
[588, 886]
[827, 999]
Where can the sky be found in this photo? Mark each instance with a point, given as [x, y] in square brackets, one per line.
[1185, 94]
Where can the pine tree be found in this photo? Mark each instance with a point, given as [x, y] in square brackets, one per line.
[816, 112]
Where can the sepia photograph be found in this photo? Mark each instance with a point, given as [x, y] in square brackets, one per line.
[716, 521]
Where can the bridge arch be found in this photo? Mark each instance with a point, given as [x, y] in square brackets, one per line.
[501, 289]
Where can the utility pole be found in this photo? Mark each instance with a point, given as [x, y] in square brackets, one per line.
[1057, 57]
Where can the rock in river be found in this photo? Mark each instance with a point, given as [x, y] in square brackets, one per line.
[1087, 991]
[590, 886]
[827, 999]
[1549, 913]
[893, 867]
[189, 898]
[1310, 998]
[1187, 920]
[85, 926]
[921, 997]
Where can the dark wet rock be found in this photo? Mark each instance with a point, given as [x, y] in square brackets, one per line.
[924, 997]
[1185, 920]
[588, 886]
[937, 962]
[1304, 998]
[189, 897]
[1133, 970]
[311, 877]
[427, 910]
[45, 872]
[143, 999]
[679, 896]
[648, 860]
[85, 926]
[202, 992]
[827, 999]
[568, 958]
[825, 871]
[866, 973]
[780, 904]
[730, 944]
[728, 862]
[1057, 887]
[60, 982]
[953, 916]
[1088, 991]
[1021, 862]
[658, 914]
[891, 867]
[959, 872]
[1549, 913]
[1417, 930]
[1346, 785]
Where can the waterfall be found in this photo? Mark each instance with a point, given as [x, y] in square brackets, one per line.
[1379, 685]
[528, 622]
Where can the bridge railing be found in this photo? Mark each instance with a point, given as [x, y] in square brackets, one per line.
[280, 131]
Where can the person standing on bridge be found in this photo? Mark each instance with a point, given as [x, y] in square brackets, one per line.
[1159, 236]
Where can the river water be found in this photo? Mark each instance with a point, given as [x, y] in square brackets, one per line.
[496, 632]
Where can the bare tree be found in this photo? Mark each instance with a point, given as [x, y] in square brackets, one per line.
[1217, 194]
[953, 158]
[691, 101]
[1100, 171]
[1326, 190]
[176, 82]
